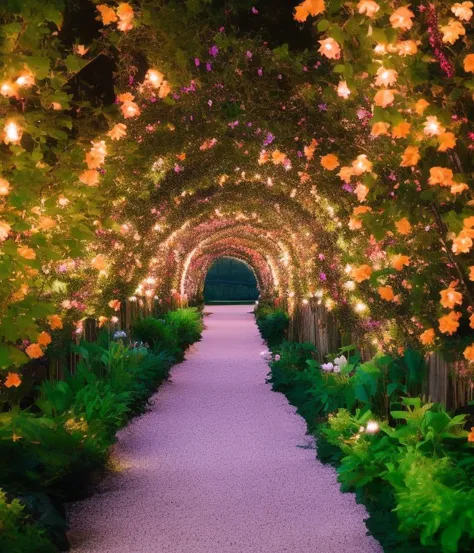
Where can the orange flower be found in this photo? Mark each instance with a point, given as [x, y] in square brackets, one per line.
[403, 226]
[5, 229]
[447, 140]
[407, 48]
[34, 351]
[402, 130]
[361, 165]
[368, 7]
[470, 436]
[126, 15]
[380, 128]
[165, 89]
[4, 187]
[471, 321]
[468, 222]
[329, 48]
[463, 11]
[421, 105]
[44, 339]
[448, 324]
[399, 261]
[118, 131]
[90, 177]
[154, 78]
[80, 49]
[441, 175]
[469, 355]
[96, 156]
[471, 273]
[13, 379]
[386, 293]
[359, 274]
[402, 19]
[355, 223]
[46, 223]
[410, 157]
[452, 31]
[278, 157]
[384, 97]
[309, 7]
[343, 91]
[107, 14]
[130, 109]
[462, 243]
[102, 321]
[361, 192]
[329, 162]
[386, 77]
[26, 252]
[459, 188]
[309, 150]
[432, 127]
[360, 210]
[450, 297]
[427, 337]
[125, 97]
[99, 262]
[469, 63]
[345, 173]
[115, 305]
[55, 321]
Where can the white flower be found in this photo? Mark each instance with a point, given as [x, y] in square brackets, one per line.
[327, 366]
[372, 427]
[119, 334]
[340, 361]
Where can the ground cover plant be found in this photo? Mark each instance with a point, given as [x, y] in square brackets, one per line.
[51, 452]
[409, 461]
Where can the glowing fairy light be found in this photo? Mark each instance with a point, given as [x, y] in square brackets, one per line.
[26, 80]
[350, 285]
[305, 301]
[348, 269]
[12, 132]
[8, 90]
[154, 78]
[360, 307]
[432, 126]
[343, 90]
[372, 427]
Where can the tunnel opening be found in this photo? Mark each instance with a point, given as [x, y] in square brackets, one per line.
[230, 280]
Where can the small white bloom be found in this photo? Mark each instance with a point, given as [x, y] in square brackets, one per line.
[372, 427]
[340, 362]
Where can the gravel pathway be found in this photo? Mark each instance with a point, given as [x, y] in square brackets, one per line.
[220, 464]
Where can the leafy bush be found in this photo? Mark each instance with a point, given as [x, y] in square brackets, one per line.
[273, 325]
[187, 325]
[154, 332]
[48, 452]
[408, 461]
[17, 534]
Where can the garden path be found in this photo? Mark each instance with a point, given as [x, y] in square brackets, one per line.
[219, 464]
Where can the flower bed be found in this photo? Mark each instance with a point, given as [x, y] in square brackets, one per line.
[410, 462]
[50, 452]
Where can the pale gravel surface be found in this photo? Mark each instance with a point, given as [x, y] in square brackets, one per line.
[215, 467]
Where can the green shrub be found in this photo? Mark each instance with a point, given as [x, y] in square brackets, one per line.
[17, 534]
[155, 333]
[408, 461]
[273, 325]
[48, 452]
[186, 324]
